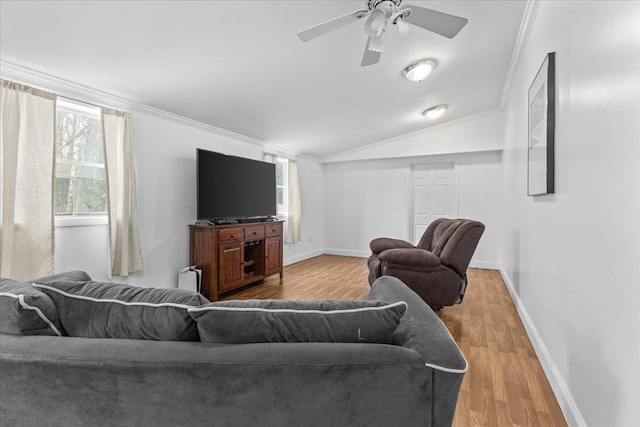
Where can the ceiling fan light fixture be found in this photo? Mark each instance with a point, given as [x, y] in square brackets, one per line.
[435, 113]
[375, 23]
[419, 70]
[403, 27]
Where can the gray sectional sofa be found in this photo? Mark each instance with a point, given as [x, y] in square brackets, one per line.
[413, 380]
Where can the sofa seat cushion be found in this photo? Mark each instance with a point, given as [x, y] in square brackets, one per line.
[115, 310]
[258, 321]
[25, 310]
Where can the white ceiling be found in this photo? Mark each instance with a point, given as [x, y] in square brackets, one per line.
[239, 66]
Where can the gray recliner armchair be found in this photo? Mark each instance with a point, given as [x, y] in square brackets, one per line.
[436, 269]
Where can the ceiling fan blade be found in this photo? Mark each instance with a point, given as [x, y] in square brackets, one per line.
[370, 57]
[440, 23]
[327, 26]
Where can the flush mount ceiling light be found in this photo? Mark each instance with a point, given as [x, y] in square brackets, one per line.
[419, 70]
[435, 113]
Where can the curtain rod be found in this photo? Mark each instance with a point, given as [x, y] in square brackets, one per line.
[81, 102]
[70, 98]
[86, 107]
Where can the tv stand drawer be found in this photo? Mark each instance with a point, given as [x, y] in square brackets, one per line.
[231, 235]
[254, 232]
[272, 230]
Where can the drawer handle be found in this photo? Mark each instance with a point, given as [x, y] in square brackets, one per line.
[232, 236]
[255, 232]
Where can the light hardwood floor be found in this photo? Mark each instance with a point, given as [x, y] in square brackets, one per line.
[505, 384]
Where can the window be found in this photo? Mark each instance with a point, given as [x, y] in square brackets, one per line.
[80, 185]
[282, 184]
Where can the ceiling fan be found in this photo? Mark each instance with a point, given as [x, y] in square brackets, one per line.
[381, 13]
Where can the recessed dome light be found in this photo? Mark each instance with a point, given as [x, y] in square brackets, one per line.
[435, 113]
[419, 70]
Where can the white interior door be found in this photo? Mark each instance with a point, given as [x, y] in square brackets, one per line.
[435, 195]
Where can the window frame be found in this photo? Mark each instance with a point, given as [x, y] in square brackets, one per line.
[88, 218]
[284, 213]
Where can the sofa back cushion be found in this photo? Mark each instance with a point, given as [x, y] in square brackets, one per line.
[74, 275]
[25, 310]
[115, 310]
[453, 241]
[257, 321]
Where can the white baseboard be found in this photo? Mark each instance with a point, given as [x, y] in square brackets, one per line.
[302, 257]
[347, 252]
[560, 389]
[485, 265]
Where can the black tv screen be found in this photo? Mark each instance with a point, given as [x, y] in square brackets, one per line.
[230, 187]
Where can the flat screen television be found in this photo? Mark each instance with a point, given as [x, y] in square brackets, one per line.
[234, 188]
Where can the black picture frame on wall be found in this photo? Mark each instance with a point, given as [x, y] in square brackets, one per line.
[541, 136]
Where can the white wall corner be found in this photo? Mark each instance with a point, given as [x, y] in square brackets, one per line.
[565, 400]
[528, 18]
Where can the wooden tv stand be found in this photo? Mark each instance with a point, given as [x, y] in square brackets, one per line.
[235, 255]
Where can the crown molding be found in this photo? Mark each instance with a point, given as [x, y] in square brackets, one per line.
[86, 94]
[526, 25]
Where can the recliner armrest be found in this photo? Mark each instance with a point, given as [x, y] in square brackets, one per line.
[410, 257]
[383, 243]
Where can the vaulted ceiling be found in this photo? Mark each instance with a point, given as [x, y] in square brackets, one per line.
[239, 66]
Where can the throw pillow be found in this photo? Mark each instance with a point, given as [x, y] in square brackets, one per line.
[116, 310]
[24, 310]
[256, 321]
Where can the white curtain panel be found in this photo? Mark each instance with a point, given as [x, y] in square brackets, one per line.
[293, 223]
[270, 158]
[125, 253]
[27, 142]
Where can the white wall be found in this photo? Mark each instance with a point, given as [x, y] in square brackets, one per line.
[165, 162]
[572, 258]
[82, 248]
[373, 198]
[312, 228]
